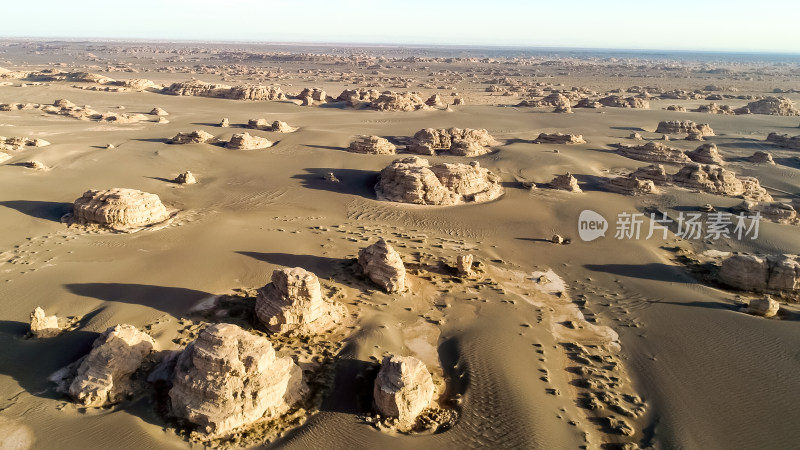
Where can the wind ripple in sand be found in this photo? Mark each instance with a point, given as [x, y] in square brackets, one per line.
[14, 436]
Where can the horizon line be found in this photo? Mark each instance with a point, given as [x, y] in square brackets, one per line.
[390, 45]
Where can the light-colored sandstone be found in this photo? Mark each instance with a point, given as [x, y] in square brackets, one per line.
[381, 263]
[403, 389]
[118, 209]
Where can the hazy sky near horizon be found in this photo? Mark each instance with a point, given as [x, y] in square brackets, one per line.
[733, 25]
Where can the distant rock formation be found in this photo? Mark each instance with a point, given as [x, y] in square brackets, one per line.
[456, 141]
[630, 186]
[774, 212]
[393, 101]
[186, 178]
[706, 154]
[565, 182]
[653, 152]
[229, 378]
[654, 172]
[785, 141]
[684, 127]
[381, 263]
[118, 209]
[358, 97]
[373, 145]
[617, 101]
[43, 326]
[774, 106]
[198, 88]
[244, 141]
[678, 108]
[414, 180]
[762, 273]
[403, 389]
[293, 303]
[193, 137]
[158, 112]
[559, 138]
[714, 108]
[715, 179]
[103, 377]
[19, 143]
[760, 157]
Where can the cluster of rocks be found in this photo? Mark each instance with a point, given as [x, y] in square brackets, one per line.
[19, 143]
[784, 140]
[617, 101]
[118, 209]
[63, 107]
[714, 108]
[244, 141]
[277, 126]
[630, 185]
[653, 152]
[455, 141]
[193, 137]
[762, 273]
[775, 212]
[313, 96]
[557, 100]
[373, 145]
[774, 106]
[559, 138]
[414, 180]
[198, 88]
[684, 127]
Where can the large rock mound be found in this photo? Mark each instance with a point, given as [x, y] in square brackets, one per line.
[103, 376]
[653, 152]
[293, 303]
[774, 106]
[244, 141]
[456, 141]
[403, 389]
[198, 88]
[373, 145]
[617, 101]
[715, 179]
[393, 101]
[119, 209]
[381, 263]
[229, 378]
[684, 127]
[706, 154]
[414, 180]
[779, 273]
[193, 137]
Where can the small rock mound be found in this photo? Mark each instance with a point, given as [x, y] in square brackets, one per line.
[762, 273]
[714, 108]
[630, 186]
[684, 127]
[119, 209]
[775, 212]
[43, 326]
[229, 378]
[373, 145]
[559, 138]
[293, 303]
[764, 307]
[565, 182]
[464, 264]
[456, 141]
[706, 154]
[414, 180]
[224, 123]
[760, 157]
[774, 106]
[194, 137]
[784, 140]
[186, 178]
[279, 126]
[158, 112]
[403, 389]
[617, 101]
[653, 152]
[103, 377]
[244, 141]
[654, 172]
[381, 263]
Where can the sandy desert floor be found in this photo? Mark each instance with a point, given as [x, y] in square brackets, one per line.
[517, 357]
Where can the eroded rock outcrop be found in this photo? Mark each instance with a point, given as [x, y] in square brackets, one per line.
[464, 264]
[186, 178]
[358, 97]
[103, 377]
[654, 172]
[373, 145]
[43, 326]
[118, 209]
[774, 212]
[393, 101]
[760, 157]
[565, 182]
[456, 141]
[559, 138]
[617, 101]
[784, 140]
[684, 127]
[293, 303]
[653, 152]
[715, 179]
[403, 389]
[198, 88]
[414, 180]
[774, 106]
[764, 307]
[630, 186]
[193, 137]
[229, 378]
[244, 141]
[706, 154]
[714, 108]
[762, 273]
[381, 263]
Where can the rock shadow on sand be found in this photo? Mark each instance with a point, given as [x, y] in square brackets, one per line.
[172, 300]
[40, 209]
[652, 271]
[351, 181]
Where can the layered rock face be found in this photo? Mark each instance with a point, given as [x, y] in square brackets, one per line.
[715, 179]
[198, 88]
[784, 140]
[403, 389]
[194, 137]
[381, 263]
[373, 145]
[392, 101]
[630, 186]
[103, 376]
[559, 138]
[43, 326]
[653, 152]
[565, 182]
[684, 127]
[774, 106]
[617, 101]
[762, 273]
[293, 303]
[456, 141]
[414, 180]
[229, 378]
[706, 154]
[358, 97]
[119, 209]
[244, 141]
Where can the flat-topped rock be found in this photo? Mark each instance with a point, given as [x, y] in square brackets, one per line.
[198, 88]
[192, 137]
[293, 303]
[403, 389]
[785, 141]
[244, 141]
[119, 209]
[381, 263]
[373, 145]
[653, 152]
[229, 378]
[774, 106]
[456, 141]
[559, 138]
[617, 101]
[684, 127]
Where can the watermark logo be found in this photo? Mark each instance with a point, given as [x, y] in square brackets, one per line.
[591, 225]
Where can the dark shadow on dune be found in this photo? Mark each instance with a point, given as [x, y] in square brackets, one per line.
[160, 140]
[322, 266]
[652, 271]
[630, 129]
[351, 181]
[548, 241]
[207, 124]
[326, 147]
[707, 305]
[793, 162]
[336, 105]
[172, 300]
[39, 209]
[590, 182]
[511, 141]
[166, 180]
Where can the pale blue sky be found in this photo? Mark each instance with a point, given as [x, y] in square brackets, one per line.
[733, 25]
